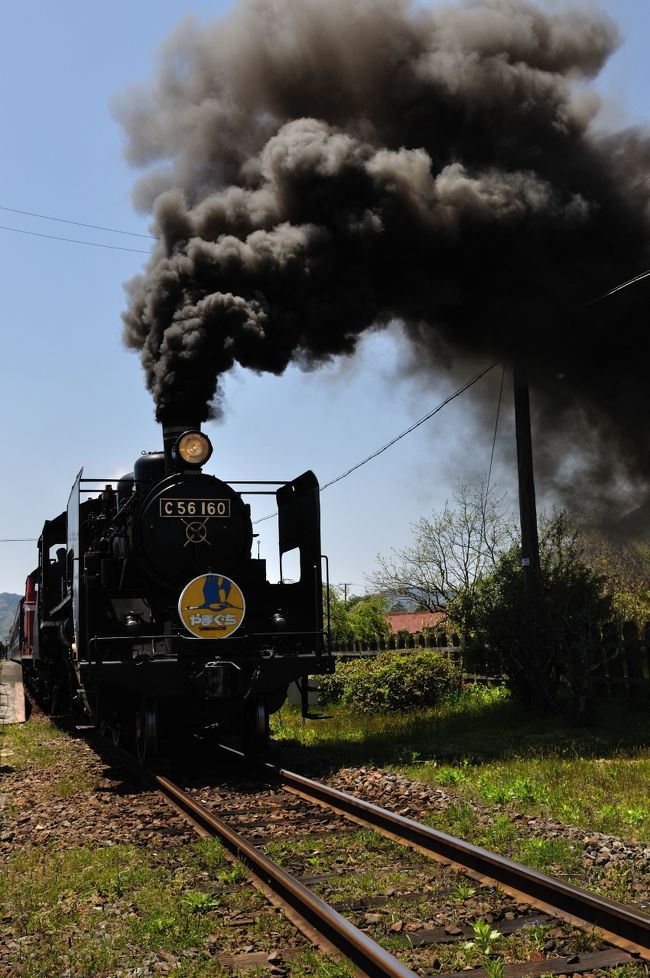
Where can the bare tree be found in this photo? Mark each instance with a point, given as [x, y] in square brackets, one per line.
[453, 548]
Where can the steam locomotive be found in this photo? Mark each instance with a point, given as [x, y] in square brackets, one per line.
[148, 613]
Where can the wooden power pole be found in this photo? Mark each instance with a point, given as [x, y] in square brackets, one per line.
[527, 508]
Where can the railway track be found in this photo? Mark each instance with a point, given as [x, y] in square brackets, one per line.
[392, 919]
[304, 844]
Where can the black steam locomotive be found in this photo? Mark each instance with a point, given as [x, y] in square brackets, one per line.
[148, 612]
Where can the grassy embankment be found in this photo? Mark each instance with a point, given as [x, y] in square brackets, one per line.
[482, 748]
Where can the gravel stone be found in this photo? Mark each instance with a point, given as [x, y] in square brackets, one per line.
[390, 790]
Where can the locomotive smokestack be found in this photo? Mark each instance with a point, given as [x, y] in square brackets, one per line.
[318, 170]
[172, 430]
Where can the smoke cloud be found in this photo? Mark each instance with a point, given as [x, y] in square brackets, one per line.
[316, 169]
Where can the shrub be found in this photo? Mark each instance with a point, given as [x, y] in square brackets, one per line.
[548, 643]
[330, 688]
[390, 682]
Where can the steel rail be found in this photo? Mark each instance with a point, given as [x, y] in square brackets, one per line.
[623, 925]
[368, 957]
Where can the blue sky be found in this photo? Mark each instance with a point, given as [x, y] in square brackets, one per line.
[72, 396]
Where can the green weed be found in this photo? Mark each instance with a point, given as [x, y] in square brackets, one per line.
[459, 819]
[231, 875]
[484, 936]
[463, 892]
[211, 855]
[450, 775]
[198, 902]
[494, 967]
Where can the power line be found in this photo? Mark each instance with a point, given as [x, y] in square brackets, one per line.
[494, 439]
[407, 431]
[151, 237]
[486, 495]
[430, 414]
[18, 539]
[79, 224]
[56, 237]
[619, 288]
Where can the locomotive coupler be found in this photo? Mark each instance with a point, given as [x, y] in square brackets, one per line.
[220, 680]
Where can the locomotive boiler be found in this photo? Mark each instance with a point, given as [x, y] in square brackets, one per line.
[148, 612]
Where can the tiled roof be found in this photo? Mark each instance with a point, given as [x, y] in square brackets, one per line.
[415, 621]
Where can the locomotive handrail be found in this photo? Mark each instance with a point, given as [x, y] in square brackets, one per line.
[244, 492]
[231, 482]
[192, 638]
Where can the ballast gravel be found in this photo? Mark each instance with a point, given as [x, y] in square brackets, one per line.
[115, 810]
[417, 800]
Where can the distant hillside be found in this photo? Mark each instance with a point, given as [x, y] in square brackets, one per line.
[412, 600]
[8, 604]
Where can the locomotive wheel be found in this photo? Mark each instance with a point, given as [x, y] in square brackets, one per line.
[146, 730]
[115, 731]
[255, 730]
[112, 728]
[109, 717]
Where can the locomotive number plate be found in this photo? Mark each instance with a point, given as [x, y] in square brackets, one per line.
[203, 508]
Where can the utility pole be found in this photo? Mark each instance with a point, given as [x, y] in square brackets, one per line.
[527, 508]
[345, 585]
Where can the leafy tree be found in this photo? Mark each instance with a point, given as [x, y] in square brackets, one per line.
[453, 550]
[366, 616]
[549, 647]
[340, 627]
[358, 619]
[625, 567]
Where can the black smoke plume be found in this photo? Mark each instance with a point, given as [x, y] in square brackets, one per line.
[318, 168]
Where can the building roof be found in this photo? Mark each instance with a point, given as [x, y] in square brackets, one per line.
[415, 621]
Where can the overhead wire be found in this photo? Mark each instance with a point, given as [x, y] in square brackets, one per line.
[416, 424]
[151, 237]
[393, 441]
[486, 494]
[494, 438]
[407, 431]
[79, 224]
[56, 237]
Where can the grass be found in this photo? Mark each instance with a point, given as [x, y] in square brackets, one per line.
[96, 911]
[482, 748]
[30, 745]
[92, 911]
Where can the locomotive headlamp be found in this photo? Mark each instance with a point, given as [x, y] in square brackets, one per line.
[193, 448]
